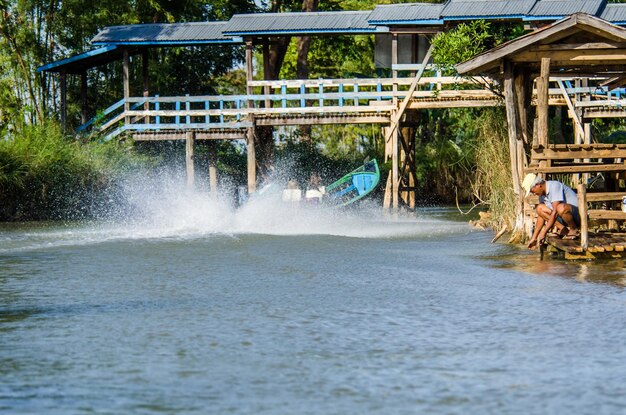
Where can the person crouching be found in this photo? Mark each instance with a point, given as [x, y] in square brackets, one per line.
[557, 208]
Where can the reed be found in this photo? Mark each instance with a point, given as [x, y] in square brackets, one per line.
[492, 181]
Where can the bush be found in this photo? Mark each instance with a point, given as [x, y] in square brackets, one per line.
[47, 175]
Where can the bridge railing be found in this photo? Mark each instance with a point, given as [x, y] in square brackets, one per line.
[311, 96]
[292, 97]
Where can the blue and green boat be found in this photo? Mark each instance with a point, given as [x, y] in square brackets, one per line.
[353, 186]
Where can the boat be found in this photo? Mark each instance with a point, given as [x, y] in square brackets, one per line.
[353, 186]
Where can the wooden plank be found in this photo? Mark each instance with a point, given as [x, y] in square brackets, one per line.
[327, 119]
[570, 154]
[579, 168]
[605, 196]
[581, 46]
[606, 214]
[572, 56]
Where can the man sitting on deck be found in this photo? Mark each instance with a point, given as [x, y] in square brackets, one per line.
[558, 208]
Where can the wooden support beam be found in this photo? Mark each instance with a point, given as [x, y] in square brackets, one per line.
[212, 162]
[189, 158]
[250, 139]
[394, 170]
[83, 97]
[145, 74]
[126, 82]
[63, 80]
[542, 102]
[516, 157]
[582, 210]
[578, 168]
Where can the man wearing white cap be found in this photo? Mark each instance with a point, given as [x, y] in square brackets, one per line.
[558, 207]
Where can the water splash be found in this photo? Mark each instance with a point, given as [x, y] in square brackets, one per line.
[167, 209]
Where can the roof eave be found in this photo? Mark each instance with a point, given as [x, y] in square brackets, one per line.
[56, 66]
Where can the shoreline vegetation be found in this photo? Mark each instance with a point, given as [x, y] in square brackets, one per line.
[46, 174]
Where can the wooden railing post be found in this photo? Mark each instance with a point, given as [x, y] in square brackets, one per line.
[582, 210]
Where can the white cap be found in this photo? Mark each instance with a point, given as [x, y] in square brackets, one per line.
[530, 181]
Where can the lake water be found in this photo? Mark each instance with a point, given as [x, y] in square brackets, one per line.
[201, 309]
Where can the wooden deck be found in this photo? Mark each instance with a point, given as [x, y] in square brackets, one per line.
[600, 244]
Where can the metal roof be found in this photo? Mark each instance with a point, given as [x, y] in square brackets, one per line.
[407, 13]
[79, 63]
[164, 34]
[615, 13]
[489, 62]
[560, 8]
[472, 9]
[299, 23]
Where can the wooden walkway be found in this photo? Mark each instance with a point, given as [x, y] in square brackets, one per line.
[600, 244]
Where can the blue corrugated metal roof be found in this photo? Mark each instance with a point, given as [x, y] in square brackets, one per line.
[77, 63]
[615, 13]
[486, 9]
[299, 23]
[163, 34]
[556, 9]
[408, 13]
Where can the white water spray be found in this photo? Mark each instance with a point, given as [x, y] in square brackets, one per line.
[163, 207]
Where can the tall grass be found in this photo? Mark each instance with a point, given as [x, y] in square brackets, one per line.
[492, 183]
[47, 175]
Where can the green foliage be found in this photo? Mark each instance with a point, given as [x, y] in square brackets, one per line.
[462, 43]
[46, 175]
[470, 39]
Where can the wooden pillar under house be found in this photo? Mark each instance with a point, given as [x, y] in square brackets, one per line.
[189, 158]
[126, 81]
[63, 86]
[543, 82]
[250, 136]
[408, 173]
[250, 139]
[395, 182]
[212, 159]
[83, 97]
[266, 70]
[145, 74]
[516, 162]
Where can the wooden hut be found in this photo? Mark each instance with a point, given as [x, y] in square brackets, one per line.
[535, 69]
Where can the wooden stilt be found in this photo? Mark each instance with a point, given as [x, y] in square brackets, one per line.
[126, 80]
[251, 160]
[146, 79]
[514, 147]
[387, 197]
[189, 159]
[394, 169]
[212, 159]
[83, 97]
[63, 80]
[582, 210]
[542, 102]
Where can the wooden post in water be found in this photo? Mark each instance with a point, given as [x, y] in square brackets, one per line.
[394, 169]
[582, 210]
[251, 161]
[514, 147]
[212, 150]
[189, 161]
